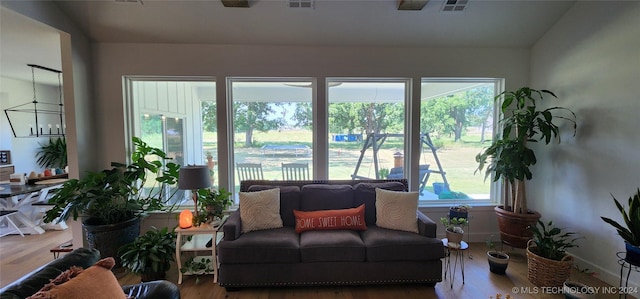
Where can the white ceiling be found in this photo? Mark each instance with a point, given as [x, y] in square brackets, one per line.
[357, 23]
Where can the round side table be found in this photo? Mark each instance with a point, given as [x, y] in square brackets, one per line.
[458, 251]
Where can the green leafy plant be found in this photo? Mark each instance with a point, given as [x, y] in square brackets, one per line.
[454, 224]
[212, 203]
[551, 242]
[149, 253]
[509, 156]
[630, 233]
[53, 154]
[197, 265]
[118, 194]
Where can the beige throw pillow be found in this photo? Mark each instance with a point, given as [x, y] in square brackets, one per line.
[260, 210]
[397, 210]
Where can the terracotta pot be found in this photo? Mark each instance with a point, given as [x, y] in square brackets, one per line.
[453, 237]
[514, 227]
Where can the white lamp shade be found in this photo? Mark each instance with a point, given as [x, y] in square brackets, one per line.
[194, 177]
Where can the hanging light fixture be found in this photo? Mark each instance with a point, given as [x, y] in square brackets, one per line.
[38, 118]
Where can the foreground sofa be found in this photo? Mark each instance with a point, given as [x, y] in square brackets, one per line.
[84, 258]
[283, 257]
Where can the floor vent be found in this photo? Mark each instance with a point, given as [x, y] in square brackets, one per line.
[454, 5]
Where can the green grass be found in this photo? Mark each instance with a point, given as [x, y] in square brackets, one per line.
[457, 158]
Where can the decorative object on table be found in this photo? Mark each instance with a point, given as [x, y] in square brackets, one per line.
[185, 219]
[630, 233]
[195, 177]
[17, 179]
[212, 203]
[509, 156]
[576, 290]
[548, 264]
[53, 154]
[453, 228]
[5, 157]
[42, 112]
[150, 255]
[113, 200]
[498, 260]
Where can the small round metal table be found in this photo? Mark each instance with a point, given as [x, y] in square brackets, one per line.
[458, 251]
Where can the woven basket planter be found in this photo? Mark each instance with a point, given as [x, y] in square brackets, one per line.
[544, 272]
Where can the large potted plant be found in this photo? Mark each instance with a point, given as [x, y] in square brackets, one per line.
[150, 255]
[509, 156]
[630, 231]
[548, 264]
[112, 201]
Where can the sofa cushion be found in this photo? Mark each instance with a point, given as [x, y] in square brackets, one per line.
[397, 210]
[331, 246]
[31, 283]
[351, 219]
[365, 193]
[96, 282]
[289, 201]
[326, 197]
[278, 245]
[260, 210]
[392, 245]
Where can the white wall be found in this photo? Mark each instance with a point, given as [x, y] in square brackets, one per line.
[591, 59]
[23, 150]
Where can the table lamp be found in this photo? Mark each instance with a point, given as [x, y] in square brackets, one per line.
[194, 177]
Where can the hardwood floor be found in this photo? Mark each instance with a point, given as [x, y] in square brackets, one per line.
[19, 256]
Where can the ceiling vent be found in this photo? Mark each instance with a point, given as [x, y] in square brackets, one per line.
[130, 1]
[235, 3]
[301, 3]
[454, 5]
[411, 4]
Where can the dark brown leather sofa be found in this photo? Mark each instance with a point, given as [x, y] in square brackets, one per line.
[282, 257]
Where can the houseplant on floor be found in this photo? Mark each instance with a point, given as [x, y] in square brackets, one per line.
[150, 255]
[548, 264]
[630, 233]
[112, 201]
[498, 260]
[509, 156]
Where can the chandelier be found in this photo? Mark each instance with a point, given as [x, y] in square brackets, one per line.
[38, 118]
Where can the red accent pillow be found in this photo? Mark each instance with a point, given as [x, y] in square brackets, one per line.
[351, 219]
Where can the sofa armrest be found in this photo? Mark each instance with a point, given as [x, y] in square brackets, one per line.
[426, 226]
[153, 289]
[232, 228]
[34, 281]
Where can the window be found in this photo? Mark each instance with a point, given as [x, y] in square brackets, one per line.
[167, 114]
[270, 122]
[272, 125]
[456, 122]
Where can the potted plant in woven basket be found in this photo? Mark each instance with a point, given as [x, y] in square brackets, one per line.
[548, 264]
[630, 233]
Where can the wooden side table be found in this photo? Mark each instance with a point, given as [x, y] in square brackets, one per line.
[200, 236]
[458, 251]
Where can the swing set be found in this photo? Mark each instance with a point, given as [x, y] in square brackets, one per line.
[375, 142]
